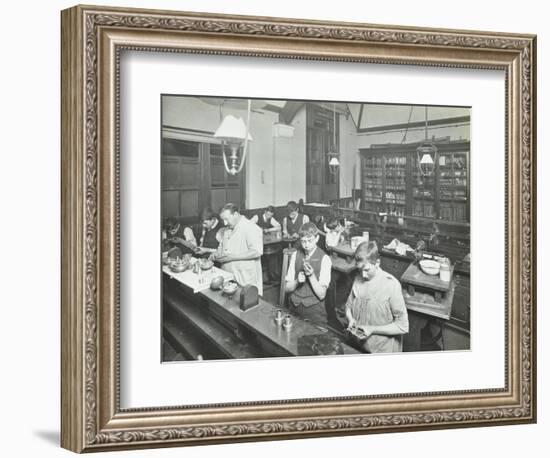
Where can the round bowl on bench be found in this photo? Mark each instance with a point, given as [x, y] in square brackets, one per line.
[179, 265]
[429, 267]
[229, 287]
[205, 264]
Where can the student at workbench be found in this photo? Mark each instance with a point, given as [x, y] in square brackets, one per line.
[375, 304]
[294, 221]
[266, 220]
[308, 277]
[210, 237]
[177, 235]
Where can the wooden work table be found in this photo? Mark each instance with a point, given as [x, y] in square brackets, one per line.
[214, 321]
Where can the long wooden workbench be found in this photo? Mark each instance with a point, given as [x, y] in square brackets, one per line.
[212, 325]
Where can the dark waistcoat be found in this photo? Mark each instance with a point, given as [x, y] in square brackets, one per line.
[304, 295]
[293, 228]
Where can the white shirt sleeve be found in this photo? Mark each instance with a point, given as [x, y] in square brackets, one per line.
[254, 219]
[305, 219]
[275, 223]
[326, 269]
[291, 272]
[188, 235]
[254, 239]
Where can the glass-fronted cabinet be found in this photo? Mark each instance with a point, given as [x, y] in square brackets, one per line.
[394, 182]
[373, 183]
[453, 186]
[423, 189]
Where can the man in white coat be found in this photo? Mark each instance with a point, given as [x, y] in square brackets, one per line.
[241, 248]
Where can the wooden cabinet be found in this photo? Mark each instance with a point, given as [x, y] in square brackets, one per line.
[460, 313]
[393, 182]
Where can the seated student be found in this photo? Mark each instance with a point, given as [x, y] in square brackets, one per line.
[376, 305]
[211, 236]
[333, 232]
[294, 221]
[177, 235]
[266, 220]
[308, 277]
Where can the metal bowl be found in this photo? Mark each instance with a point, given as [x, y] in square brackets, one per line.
[230, 287]
[430, 267]
[205, 264]
[179, 266]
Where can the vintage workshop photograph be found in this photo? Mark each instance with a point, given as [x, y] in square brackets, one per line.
[313, 228]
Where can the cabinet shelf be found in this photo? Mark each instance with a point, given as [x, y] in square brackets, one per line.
[391, 172]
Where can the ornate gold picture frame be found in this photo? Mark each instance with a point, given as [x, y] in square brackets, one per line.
[93, 39]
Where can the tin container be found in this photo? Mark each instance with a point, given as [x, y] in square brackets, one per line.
[445, 272]
[355, 241]
[287, 322]
[279, 317]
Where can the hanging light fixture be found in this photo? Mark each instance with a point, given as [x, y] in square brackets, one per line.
[426, 152]
[333, 161]
[233, 132]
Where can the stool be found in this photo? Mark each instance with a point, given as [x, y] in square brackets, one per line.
[287, 254]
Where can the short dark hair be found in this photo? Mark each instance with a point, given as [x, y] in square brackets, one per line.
[366, 252]
[333, 222]
[170, 222]
[308, 229]
[292, 206]
[207, 214]
[233, 208]
[270, 209]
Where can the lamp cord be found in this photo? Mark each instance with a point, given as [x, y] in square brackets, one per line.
[245, 148]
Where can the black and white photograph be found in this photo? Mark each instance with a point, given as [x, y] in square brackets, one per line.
[313, 228]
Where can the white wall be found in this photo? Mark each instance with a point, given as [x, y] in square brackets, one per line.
[192, 113]
[29, 190]
[383, 115]
[298, 158]
[290, 163]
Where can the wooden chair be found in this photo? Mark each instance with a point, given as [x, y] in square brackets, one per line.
[287, 254]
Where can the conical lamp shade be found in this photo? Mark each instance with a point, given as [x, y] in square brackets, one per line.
[232, 129]
[427, 159]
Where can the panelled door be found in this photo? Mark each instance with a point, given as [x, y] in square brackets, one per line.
[194, 177]
[321, 184]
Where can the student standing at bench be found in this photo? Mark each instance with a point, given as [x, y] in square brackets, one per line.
[308, 277]
[241, 248]
[294, 221]
[376, 305]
